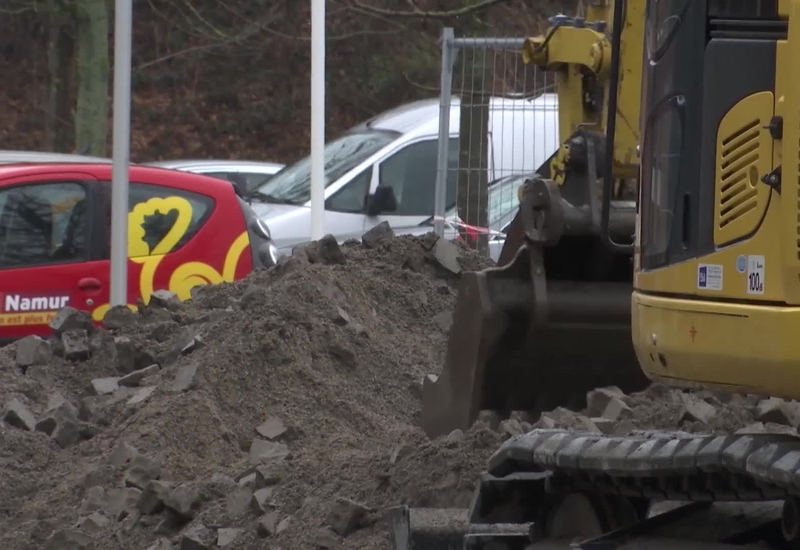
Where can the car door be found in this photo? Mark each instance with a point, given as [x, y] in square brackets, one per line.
[411, 173]
[49, 253]
[345, 209]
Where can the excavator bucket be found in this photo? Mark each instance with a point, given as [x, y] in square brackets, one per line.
[549, 323]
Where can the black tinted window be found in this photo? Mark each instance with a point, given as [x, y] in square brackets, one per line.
[42, 224]
[411, 172]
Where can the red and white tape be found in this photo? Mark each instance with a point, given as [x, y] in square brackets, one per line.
[471, 230]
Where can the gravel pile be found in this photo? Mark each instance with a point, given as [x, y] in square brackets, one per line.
[276, 412]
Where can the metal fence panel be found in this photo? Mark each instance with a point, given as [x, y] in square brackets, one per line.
[498, 123]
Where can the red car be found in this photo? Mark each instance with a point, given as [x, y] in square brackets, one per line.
[184, 229]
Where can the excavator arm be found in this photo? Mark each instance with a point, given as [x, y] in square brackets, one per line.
[564, 274]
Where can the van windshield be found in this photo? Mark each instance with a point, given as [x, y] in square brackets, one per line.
[292, 185]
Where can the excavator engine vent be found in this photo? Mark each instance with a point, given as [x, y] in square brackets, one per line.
[739, 156]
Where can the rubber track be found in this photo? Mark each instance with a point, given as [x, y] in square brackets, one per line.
[669, 465]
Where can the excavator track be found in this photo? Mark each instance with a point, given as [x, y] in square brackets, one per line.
[544, 476]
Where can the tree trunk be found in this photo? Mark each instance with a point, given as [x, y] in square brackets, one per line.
[91, 114]
[59, 131]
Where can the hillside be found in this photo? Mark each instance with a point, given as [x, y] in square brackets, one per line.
[230, 79]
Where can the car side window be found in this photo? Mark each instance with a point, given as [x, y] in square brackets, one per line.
[155, 210]
[411, 172]
[352, 197]
[43, 224]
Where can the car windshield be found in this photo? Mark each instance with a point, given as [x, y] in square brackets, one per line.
[292, 185]
[503, 199]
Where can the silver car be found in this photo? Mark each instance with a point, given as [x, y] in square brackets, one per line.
[245, 175]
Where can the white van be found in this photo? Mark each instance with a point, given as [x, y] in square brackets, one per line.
[398, 149]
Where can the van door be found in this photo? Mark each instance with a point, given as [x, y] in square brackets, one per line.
[346, 208]
[47, 251]
[411, 173]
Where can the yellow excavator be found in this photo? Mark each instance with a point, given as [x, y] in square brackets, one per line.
[694, 104]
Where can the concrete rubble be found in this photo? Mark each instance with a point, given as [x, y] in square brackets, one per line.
[276, 412]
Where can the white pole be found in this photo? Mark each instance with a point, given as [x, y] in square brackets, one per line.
[317, 119]
[123, 15]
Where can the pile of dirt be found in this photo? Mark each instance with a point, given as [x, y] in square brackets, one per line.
[278, 412]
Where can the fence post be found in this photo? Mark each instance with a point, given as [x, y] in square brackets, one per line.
[440, 197]
[472, 196]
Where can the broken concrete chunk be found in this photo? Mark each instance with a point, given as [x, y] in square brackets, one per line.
[605, 425]
[118, 317]
[197, 538]
[226, 536]
[283, 525]
[93, 523]
[124, 354]
[260, 500]
[68, 539]
[69, 318]
[184, 500]
[238, 502]
[141, 395]
[598, 399]
[122, 454]
[32, 350]
[444, 320]
[446, 254]
[326, 251]
[151, 501]
[272, 428]
[695, 410]
[134, 378]
[161, 544]
[94, 500]
[16, 414]
[326, 539]
[121, 502]
[490, 418]
[345, 516]
[76, 344]
[165, 299]
[267, 525]
[511, 427]
[454, 438]
[262, 451]
[617, 409]
[142, 471]
[778, 411]
[189, 377]
[105, 386]
[379, 234]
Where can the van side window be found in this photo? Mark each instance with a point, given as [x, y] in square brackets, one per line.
[411, 172]
[352, 197]
[43, 224]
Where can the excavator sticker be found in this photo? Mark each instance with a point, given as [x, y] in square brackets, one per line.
[755, 274]
[709, 277]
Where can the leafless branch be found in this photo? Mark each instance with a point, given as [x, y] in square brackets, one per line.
[415, 12]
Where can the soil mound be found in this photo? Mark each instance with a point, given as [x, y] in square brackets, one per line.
[276, 412]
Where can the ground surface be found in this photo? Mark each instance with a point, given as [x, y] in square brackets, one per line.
[277, 412]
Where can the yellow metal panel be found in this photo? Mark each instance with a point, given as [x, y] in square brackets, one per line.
[744, 154]
[734, 347]
[790, 187]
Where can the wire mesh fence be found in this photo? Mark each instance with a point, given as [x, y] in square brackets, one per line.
[498, 124]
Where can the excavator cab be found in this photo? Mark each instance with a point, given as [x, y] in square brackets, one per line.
[553, 319]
